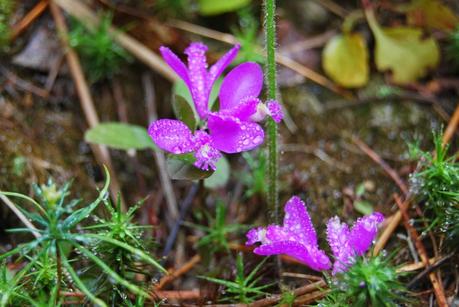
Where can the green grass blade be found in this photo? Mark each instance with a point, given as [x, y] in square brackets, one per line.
[80, 284]
[125, 246]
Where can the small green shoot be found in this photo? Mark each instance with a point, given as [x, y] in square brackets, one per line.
[255, 178]
[102, 57]
[452, 50]
[6, 9]
[216, 238]
[436, 182]
[369, 282]
[244, 289]
[246, 35]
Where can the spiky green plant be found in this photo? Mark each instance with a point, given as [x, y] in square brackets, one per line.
[244, 289]
[118, 226]
[57, 236]
[369, 282]
[102, 57]
[436, 182]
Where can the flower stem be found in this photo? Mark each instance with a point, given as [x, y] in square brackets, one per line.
[270, 35]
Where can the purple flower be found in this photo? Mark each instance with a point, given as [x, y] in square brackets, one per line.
[296, 238]
[347, 244]
[233, 127]
[197, 78]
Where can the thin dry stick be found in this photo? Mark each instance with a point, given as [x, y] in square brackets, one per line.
[177, 294]
[319, 285]
[418, 265]
[159, 155]
[376, 158]
[310, 298]
[174, 274]
[81, 12]
[452, 126]
[100, 152]
[33, 14]
[283, 60]
[437, 285]
[333, 7]
[20, 215]
[396, 218]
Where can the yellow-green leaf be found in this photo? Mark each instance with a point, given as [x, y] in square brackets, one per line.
[431, 14]
[404, 51]
[215, 7]
[345, 60]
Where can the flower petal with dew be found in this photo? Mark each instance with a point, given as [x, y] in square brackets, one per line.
[347, 244]
[196, 76]
[231, 135]
[175, 137]
[296, 238]
[239, 95]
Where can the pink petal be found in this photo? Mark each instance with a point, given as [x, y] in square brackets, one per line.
[197, 72]
[338, 239]
[244, 110]
[298, 221]
[311, 256]
[245, 80]
[217, 69]
[364, 232]
[255, 235]
[172, 136]
[176, 64]
[231, 135]
[275, 111]
[205, 153]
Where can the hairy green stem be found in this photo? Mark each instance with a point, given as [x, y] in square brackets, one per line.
[270, 35]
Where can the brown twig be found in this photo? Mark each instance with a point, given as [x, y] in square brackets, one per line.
[174, 274]
[100, 152]
[376, 158]
[81, 12]
[419, 265]
[396, 218]
[333, 7]
[452, 126]
[20, 215]
[437, 285]
[23, 84]
[313, 287]
[33, 14]
[177, 294]
[160, 159]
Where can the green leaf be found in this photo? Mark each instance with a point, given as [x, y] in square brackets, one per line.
[180, 167]
[404, 51]
[119, 136]
[184, 112]
[363, 207]
[220, 177]
[215, 7]
[345, 60]
[180, 89]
